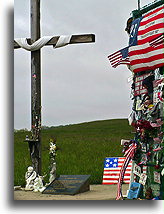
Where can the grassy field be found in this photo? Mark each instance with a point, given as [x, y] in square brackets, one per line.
[83, 148]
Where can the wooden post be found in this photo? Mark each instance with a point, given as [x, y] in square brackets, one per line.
[36, 88]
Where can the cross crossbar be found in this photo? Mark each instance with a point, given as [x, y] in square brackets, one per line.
[75, 39]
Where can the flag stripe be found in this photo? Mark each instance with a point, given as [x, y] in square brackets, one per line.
[140, 50]
[150, 24]
[149, 36]
[114, 182]
[146, 57]
[149, 59]
[118, 168]
[152, 16]
[146, 66]
[150, 29]
[153, 12]
[158, 41]
[114, 55]
[116, 178]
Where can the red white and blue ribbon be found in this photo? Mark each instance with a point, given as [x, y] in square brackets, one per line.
[129, 155]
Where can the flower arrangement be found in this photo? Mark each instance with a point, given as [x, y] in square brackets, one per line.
[53, 148]
[52, 153]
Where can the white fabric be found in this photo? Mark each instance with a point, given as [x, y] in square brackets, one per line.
[62, 41]
[22, 42]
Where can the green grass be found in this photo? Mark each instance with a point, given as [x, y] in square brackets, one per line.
[83, 148]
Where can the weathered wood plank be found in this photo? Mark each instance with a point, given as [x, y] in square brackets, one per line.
[36, 88]
[76, 39]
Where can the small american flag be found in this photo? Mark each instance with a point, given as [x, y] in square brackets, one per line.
[112, 167]
[119, 57]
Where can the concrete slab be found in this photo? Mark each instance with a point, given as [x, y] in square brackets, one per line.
[97, 192]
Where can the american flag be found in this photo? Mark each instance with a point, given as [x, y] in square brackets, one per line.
[112, 167]
[119, 57]
[146, 43]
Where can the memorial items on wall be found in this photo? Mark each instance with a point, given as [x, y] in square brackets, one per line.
[148, 124]
[145, 59]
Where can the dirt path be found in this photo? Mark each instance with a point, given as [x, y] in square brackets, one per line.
[97, 192]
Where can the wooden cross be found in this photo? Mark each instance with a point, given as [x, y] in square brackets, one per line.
[35, 140]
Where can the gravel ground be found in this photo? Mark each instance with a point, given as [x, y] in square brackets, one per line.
[97, 192]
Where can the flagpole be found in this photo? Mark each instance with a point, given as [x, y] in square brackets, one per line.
[139, 5]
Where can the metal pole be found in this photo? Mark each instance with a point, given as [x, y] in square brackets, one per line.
[139, 7]
[35, 88]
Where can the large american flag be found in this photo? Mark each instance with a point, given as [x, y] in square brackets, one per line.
[146, 43]
[112, 167]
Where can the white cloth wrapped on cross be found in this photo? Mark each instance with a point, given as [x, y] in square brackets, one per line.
[38, 44]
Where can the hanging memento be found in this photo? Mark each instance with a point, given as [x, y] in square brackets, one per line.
[137, 170]
[139, 88]
[143, 178]
[157, 177]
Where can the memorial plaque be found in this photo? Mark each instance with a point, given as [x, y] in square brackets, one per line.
[68, 185]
